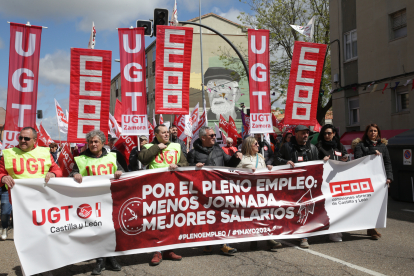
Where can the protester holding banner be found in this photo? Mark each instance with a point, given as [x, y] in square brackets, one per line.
[268, 153]
[252, 159]
[299, 149]
[175, 139]
[133, 157]
[39, 164]
[207, 152]
[229, 149]
[97, 161]
[162, 153]
[329, 146]
[372, 143]
[120, 158]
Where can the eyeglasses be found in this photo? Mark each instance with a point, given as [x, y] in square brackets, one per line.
[25, 138]
[256, 144]
[328, 133]
[212, 135]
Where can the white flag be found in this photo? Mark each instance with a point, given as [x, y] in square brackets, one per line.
[62, 120]
[67, 116]
[116, 130]
[91, 44]
[191, 122]
[305, 30]
[174, 16]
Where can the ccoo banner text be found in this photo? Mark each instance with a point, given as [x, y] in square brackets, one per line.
[304, 83]
[154, 210]
[90, 85]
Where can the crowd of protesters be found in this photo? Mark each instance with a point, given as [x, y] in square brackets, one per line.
[251, 152]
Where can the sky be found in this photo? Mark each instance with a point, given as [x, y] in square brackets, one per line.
[69, 25]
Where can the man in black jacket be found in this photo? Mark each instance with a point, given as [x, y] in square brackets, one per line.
[174, 138]
[268, 153]
[207, 152]
[133, 156]
[299, 149]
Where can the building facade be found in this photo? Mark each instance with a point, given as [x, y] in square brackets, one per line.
[371, 62]
[232, 92]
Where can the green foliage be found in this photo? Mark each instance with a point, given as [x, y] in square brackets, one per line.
[277, 16]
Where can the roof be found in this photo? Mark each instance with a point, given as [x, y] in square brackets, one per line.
[348, 137]
[215, 15]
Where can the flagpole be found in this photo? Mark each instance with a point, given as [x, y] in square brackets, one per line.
[201, 53]
[60, 141]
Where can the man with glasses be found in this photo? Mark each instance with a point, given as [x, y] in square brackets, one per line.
[26, 161]
[207, 152]
[299, 149]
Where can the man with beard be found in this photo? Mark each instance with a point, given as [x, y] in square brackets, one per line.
[223, 92]
[299, 149]
[174, 138]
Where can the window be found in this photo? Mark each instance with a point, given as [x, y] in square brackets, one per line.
[153, 59]
[353, 105]
[399, 24]
[351, 51]
[403, 101]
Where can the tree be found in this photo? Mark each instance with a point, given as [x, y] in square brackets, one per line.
[277, 16]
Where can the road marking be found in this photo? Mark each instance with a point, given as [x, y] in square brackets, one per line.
[407, 210]
[357, 267]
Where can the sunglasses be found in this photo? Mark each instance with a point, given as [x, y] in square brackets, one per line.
[25, 138]
[256, 144]
[328, 133]
[212, 135]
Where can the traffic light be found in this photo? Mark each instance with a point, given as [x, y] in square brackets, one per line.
[146, 24]
[40, 114]
[160, 18]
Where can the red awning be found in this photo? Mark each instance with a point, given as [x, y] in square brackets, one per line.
[348, 137]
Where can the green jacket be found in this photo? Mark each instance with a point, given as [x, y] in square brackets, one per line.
[146, 156]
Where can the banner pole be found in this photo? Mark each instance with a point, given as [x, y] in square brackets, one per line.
[60, 140]
[201, 56]
[139, 149]
[261, 135]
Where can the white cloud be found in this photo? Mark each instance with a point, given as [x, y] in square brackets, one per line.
[107, 14]
[3, 97]
[230, 14]
[50, 125]
[55, 68]
[193, 5]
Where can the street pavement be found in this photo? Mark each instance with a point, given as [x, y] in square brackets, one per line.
[393, 254]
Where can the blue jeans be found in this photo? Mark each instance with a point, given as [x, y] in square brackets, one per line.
[6, 208]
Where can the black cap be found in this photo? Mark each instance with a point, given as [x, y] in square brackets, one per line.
[301, 127]
[214, 73]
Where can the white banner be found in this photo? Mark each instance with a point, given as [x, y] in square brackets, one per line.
[64, 222]
[62, 120]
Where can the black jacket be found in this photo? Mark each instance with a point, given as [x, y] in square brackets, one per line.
[88, 153]
[214, 156]
[133, 160]
[291, 151]
[120, 158]
[182, 144]
[268, 153]
[327, 150]
[367, 148]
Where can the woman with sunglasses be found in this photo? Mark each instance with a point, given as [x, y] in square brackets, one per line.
[252, 159]
[329, 147]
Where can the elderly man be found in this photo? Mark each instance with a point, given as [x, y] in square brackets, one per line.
[24, 161]
[207, 152]
[229, 149]
[299, 149]
[161, 153]
[175, 139]
[133, 157]
[223, 92]
[96, 160]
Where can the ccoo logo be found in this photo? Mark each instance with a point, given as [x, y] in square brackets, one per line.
[84, 211]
